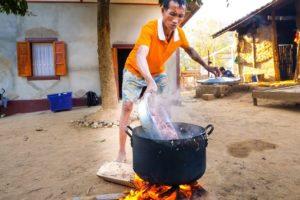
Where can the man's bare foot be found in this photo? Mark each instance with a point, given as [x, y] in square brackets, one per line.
[121, 157]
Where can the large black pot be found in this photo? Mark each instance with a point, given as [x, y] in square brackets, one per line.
[170, 162]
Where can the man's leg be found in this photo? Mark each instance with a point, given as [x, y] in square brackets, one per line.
[131, 89]
[124, 121]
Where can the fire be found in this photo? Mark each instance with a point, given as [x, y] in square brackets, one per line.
[145, 190]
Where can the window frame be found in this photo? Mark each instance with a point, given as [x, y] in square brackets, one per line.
[41, 40]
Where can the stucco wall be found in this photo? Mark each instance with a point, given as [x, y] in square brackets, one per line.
[75, 24]
[264, 53]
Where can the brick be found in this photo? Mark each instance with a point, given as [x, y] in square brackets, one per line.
[217, 90]
[208, 97]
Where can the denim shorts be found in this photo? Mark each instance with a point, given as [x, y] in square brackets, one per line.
[132, 85]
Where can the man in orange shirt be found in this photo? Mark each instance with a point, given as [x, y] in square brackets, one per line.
[145, 64]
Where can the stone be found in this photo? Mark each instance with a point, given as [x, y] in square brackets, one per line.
[208, 97]
[217, 90]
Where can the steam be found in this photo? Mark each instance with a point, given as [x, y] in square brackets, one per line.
[160, 108]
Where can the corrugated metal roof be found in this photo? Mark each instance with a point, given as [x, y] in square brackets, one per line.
[235, 24]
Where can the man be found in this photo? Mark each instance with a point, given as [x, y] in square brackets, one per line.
[226, 73]
[145, 64]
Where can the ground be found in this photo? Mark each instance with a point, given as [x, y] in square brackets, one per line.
[253, 152]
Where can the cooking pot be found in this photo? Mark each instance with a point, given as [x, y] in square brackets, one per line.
[170, 162]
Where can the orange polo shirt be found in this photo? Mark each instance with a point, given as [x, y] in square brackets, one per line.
[152, 35]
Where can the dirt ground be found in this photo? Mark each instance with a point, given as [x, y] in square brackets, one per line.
[253, 152]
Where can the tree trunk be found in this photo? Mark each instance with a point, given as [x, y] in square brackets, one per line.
[108, 85]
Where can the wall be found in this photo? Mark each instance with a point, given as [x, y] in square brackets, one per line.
[264, 54]
[76, 25]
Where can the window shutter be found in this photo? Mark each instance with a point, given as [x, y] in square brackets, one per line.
[60, 58]
[24, 59]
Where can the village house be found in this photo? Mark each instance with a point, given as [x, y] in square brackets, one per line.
[54, 50]
[267, 42]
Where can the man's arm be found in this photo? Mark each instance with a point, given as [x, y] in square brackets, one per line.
[196, 57]
[143, 66]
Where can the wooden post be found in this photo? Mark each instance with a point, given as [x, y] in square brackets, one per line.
[275, 47]
[297, 71]
[298, 14]
[238, 39]
[208, 62]
[178, 72]
[253, 50]
[232, 60]
[116, 68]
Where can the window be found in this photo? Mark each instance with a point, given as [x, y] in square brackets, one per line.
[41, 59]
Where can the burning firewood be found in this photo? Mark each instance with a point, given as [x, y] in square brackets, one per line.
[145, 190]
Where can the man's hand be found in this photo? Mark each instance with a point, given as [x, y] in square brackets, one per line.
[196, 57]
[151, 86]
[214, 70]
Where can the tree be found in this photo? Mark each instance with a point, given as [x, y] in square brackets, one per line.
[108, 85]
[16, 7]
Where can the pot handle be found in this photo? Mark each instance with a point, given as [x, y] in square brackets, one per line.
[127, 131]
[209, 129]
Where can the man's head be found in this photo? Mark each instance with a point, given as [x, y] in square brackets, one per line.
[167, 2]
[173, 12]
[222, 69]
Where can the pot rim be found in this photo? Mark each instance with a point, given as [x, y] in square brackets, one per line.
[203, 134]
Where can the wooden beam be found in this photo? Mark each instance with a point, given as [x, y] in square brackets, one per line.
[253, 50]
[298, 14]
[116, 68]
[178, 68]
[275, 47]
[290, 93]
[238, 41]
[297, 71]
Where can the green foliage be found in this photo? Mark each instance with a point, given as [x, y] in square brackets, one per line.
[199, 36]
[16, 7]
[199, 2]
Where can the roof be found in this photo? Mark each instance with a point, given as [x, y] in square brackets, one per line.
[155, 2]
[192, 7]
[242, 20]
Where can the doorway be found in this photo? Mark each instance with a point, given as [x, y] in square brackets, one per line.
[287, 48]
[120, 54]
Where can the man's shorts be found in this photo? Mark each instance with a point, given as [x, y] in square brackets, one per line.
[132, 85]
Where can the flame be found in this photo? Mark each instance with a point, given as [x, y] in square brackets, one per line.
[297, 37]
[145, 190]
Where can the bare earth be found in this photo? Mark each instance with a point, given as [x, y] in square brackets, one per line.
[253, 152]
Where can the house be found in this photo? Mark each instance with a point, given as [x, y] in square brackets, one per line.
[265, 41]
[55, 49]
